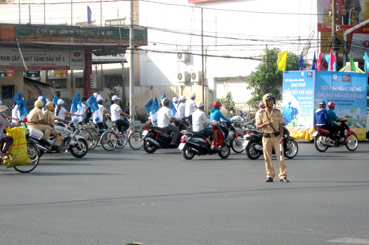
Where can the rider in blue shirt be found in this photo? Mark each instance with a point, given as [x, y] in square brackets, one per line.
[215, 114]
[321, 116]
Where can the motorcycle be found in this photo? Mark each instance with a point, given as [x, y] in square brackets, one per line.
[193, 143]
[254, 146]
[75, 144]
[154, 137]
[235, 136]
[322, 139]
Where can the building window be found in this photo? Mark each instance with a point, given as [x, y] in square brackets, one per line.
[7, 92]
[113, 81]
[79, 82]
[58, 83]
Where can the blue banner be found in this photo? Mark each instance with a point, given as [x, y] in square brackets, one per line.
[22, 107]
[92, 103]
[55, 100]
[75, 102]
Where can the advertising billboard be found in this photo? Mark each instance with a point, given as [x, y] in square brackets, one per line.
[303, 90]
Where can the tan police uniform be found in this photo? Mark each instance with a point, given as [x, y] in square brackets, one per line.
[34, 117]
[49, 118]
[271, 140]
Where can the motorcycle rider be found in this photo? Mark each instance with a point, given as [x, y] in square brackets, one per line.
[216, 114]
[199, 121]
[332, 118]
[49, 118]
[321, 116]
[271, 121]
[165, 115]
[36, 120]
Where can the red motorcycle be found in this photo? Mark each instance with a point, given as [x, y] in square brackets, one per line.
[323, 139]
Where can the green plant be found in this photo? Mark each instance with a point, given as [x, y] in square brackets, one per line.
[227, 102]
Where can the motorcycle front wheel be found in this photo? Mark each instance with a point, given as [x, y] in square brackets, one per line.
[251, 151]
[224, 152]
[292, 148]
[79, 150]
[237, 144]
[319, 143]
[149, 147]
[352, 142]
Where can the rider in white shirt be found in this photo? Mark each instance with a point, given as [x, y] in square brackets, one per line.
[182, 107]
[115, 112]
[190, 105]
[200, 120]
[165, 115]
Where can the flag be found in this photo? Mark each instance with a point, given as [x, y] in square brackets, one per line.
[92, 103]
[352, 64]
[163, 97]
[89, 15]
[151, 107]
[172, 107]
[332, 61]
[366, 62]
[55, 100]
[282, 60]
[44, 101]
[300, 63]
[313, 66]
[319, 63]
[22, 107]
[157, 102]
[75, 102]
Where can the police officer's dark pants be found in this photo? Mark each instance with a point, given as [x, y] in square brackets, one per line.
[175, 131]
[122, 125]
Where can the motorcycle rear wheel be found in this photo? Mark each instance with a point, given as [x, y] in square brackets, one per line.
[352, 142]
[292, 148]
[187, 153]
[237, 144]
[318, 142]
[224, 151]
[80, 149]
[251, 151]
[149, 147]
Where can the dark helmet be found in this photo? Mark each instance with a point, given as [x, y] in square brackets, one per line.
[331, 105]
[322, 104]
[266, 97]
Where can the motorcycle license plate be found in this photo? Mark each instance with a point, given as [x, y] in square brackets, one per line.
[144, 133]
[181, 146]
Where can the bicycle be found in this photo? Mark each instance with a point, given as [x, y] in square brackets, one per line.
[132, 136]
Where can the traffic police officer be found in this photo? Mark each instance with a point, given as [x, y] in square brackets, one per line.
[270, 120]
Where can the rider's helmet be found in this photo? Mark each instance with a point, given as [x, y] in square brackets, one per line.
[322, 104]
[331, 105]
[261, 105]
[39, 103]
[266, 97]
[49, 106]
[217, 104]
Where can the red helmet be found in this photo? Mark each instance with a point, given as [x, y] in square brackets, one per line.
[217, 104]
[331, 104]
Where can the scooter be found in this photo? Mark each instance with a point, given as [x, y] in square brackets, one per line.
[322, 140]
[193, 143]
[254, 146]
[154, 137]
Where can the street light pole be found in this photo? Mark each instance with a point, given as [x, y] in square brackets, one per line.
[131, 67]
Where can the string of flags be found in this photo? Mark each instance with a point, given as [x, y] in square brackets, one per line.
[330, 58]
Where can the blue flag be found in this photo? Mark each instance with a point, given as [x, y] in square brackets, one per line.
[163, 97]
[89, 15]
[92, 103]
[44, 101]
[300, 63]
[55, 100]
[151, 107]
[75, 102]
[172, 107]
[157, 102]
[366, 62]
[22, 107]
[313, 67]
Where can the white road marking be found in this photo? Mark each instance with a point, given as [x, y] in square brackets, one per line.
[350, 240]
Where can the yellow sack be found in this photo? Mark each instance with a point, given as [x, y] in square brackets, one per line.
[18, 149]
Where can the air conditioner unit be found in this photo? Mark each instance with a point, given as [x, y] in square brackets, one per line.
[183, 77]
[196, 76]
[183, 57]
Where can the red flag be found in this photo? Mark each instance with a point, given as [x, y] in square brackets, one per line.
[319, 65]
[332, 60]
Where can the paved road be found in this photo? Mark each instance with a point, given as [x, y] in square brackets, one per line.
[160, 198]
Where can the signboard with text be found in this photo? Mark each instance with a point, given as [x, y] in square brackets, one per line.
[41, 59]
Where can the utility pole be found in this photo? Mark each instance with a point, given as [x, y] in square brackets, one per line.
[101, 21]
[44, 12]
[19, 10]
[202, 57]
[71, 12]
[131, 67]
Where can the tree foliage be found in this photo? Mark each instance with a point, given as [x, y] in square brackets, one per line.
[227, 102]
[267, 78]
